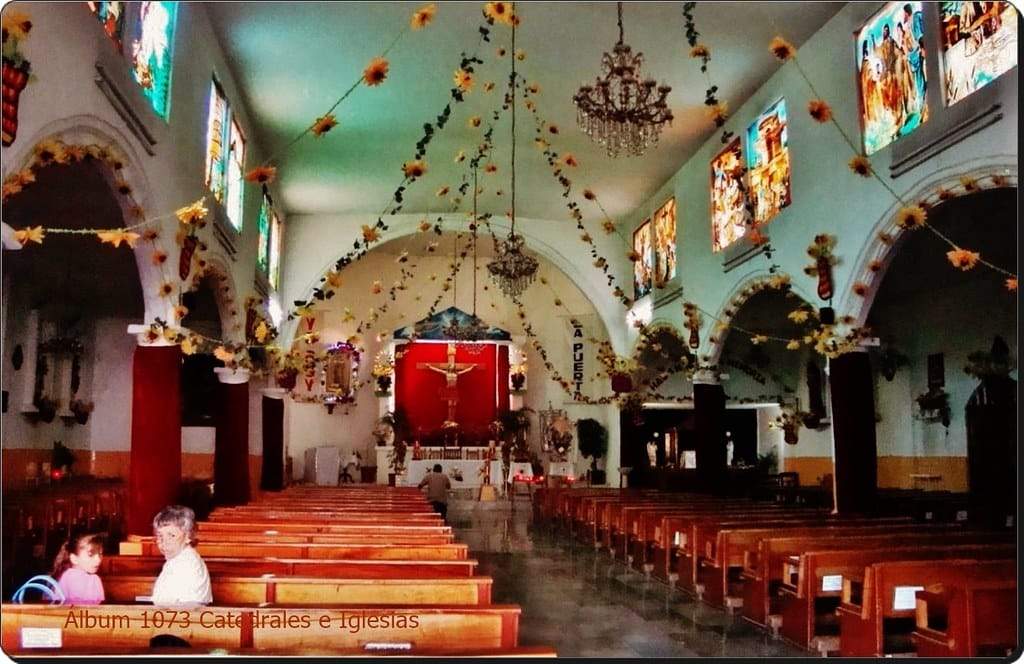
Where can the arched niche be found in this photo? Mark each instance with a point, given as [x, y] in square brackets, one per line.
[930, 317]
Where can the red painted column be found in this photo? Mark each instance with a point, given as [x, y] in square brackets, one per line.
[709, 426]
[853, 430]
[272, 472]
[154, 468]
[231, 448]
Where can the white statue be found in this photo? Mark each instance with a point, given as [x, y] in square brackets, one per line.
[728, 448]
[652, 453]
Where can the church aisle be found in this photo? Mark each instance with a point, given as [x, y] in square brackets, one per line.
[578, 602]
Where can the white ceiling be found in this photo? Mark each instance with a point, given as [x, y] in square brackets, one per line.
[293, 60]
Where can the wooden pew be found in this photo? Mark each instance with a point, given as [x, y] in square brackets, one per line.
[359, 548]
[353, 569]
[966, 618]
[272, 536]
[878, 612]
[276, 527]
[378, 650]
[719, 575]
[810, 588]
[348, 630]
[298, 591]
[763, 567]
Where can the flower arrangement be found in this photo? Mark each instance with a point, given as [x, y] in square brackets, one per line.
[821, 250]
[383, 369]
[934, 405]
[81, 409]
[517, 376]
[789, 422]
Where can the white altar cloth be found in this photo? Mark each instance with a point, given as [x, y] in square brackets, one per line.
[469, 468]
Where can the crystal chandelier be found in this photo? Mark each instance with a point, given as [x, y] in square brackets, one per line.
[622, 111]
[512, 269]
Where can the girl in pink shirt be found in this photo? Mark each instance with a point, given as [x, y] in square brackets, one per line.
[75, 569]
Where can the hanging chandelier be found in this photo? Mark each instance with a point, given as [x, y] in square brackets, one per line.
[622, 111]
[473, 329]
[512, 269]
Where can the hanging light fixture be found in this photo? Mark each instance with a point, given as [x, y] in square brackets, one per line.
[512, 269]
[474, 329]
[622, 111]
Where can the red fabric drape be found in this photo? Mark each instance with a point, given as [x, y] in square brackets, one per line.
[154, 467]
[272, 473]
[503, 391]
[421, 392]
[231, 449]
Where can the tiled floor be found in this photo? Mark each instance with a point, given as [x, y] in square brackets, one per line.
[577, 601]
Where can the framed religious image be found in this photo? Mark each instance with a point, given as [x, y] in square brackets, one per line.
[891, 74]
[665, 243]
[340, 367]
[768, 162]
[979, 44]
[728, 211]
[643, 268]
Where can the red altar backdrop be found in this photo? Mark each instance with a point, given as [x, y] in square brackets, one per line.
[482, 391]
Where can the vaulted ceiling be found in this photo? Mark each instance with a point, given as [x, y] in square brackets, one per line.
[293, 60]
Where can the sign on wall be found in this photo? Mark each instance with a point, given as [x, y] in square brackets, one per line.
[578, 347]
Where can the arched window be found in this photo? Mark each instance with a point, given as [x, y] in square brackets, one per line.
[152, 52]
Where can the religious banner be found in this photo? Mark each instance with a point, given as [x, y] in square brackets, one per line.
[892, 80]
[728, 212]
[437, 384]
[643, 267]
[578, 355]
[768, 162]
[979, 44]
[665, 243]
[310, 383]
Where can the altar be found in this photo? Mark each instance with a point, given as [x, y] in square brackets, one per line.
[468, 470]
[468, 460]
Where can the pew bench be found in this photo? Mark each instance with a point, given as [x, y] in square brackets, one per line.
[877, 614]
[812, 583]
[354, 569]
[966, 618]
[81, 630]
[298, 591]
[359, 548]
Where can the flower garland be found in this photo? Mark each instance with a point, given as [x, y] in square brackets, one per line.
[910, 216]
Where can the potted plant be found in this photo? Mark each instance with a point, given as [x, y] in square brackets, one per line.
[621, 374]
[383, 369]
[81, 409]
[46, 409]
[396, 461]
[789, 421]
[593, 441]
[934, 405]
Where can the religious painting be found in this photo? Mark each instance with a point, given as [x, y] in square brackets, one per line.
[665, 243]
[892, 81]
[152, 53]
[643, 268]
[979, 44]
[728, 210]
[768, 162]
[340, 366]
[111, 17]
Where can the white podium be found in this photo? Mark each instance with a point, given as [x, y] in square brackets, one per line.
[560, 469]
[323, 465]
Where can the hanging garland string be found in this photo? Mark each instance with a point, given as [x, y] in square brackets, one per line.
[412, 171]
[910, 216]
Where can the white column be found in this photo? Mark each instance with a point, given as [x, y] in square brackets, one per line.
[614, 459]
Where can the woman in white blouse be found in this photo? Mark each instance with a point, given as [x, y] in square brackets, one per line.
[184, 578]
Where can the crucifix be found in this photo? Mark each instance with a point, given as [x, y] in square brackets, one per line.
[451, 371]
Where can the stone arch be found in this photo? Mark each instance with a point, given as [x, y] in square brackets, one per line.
[600, 299]
[230, 305]
[746, 287]
[953, 182]
[84, 130]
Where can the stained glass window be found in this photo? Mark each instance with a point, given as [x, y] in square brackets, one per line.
[768, 162]
[225, 156]
[979, 44]
[111, 17]
[728, 209]
[276, 244]
[152, 54]
[263, 248]
[665, 243]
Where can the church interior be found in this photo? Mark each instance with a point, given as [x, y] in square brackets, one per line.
[522, 329]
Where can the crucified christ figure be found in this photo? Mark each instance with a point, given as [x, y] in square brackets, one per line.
[451, 372]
